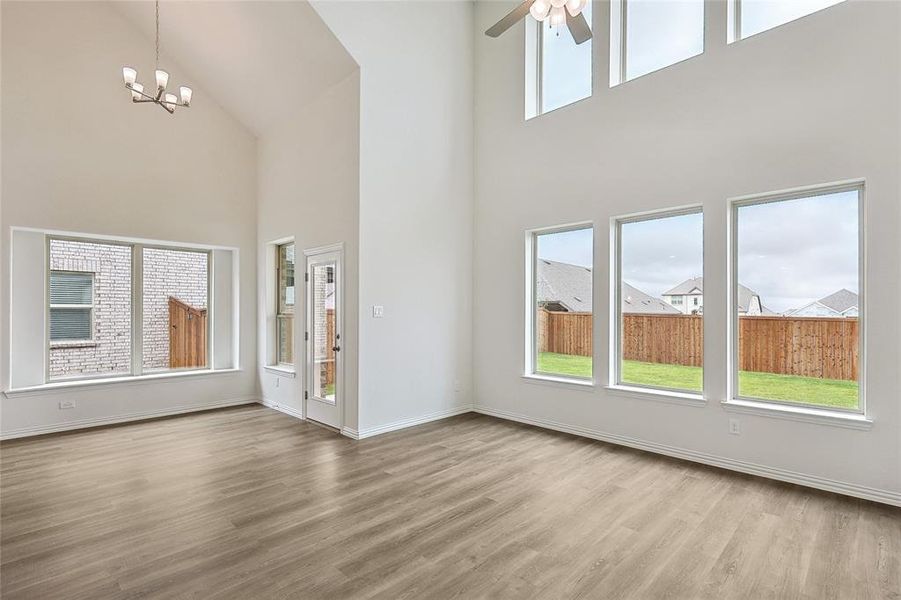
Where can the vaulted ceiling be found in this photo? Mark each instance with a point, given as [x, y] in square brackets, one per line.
[261, 60]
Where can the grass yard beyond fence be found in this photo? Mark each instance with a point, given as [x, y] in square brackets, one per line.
[822, 392]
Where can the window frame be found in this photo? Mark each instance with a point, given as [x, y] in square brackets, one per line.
[136, 368]
[618, 55]
[90, 307]
[534, 67]
[616, 308]
[279, 316]
[733, 360]
[530, 369]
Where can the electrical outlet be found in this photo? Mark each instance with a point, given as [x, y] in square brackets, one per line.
[378, 312]
[65, 404]
[734, 427]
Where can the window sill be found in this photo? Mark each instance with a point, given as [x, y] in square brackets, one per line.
[667, 396]
[280, 371]
[68, 386]
[582, 384]
[67, 345]
[797, 413]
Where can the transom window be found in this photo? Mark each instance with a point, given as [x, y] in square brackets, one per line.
[558, 71]
[648, 35]
[750, 17]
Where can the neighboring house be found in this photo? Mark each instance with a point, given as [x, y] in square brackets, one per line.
[688, 298]
[843, 303]
[567, 288]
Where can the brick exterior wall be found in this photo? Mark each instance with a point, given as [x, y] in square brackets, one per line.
[166, 273]
[169, 273]
[109, 352]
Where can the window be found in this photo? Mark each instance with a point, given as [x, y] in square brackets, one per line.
[558, 69]
[659, 345]
[89, 309]
[559, 339]
[796, 298]
[648, 35]
[71, 306]
[750, 17]
[285, 310]
[175, 309]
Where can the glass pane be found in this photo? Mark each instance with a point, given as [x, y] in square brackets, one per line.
[84, 341]
[175, 309]
[760, 15]
[71, 288]
[563, 308]
[798, 304]
[286, 292]
[662, 300]
[67, 324]
[286, 339]
[322, 280]
[565, 66]
[660, 33]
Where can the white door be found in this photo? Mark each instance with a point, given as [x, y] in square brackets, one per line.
[324, 380]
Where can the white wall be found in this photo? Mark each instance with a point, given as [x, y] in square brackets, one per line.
[309, 190]
[416, 195]
[77, 155]
[814, 101]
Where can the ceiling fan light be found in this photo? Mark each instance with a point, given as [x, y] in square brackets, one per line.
[162, 79]
[558, 16]
[129, 75]
[136, 90]
[540, 9]
[558, 3]
[186, 94]
[574, 7]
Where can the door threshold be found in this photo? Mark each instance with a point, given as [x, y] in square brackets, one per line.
[324, 426]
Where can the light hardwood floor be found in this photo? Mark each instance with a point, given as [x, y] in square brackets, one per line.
[249, 503]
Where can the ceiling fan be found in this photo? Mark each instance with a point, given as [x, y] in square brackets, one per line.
[557, 12]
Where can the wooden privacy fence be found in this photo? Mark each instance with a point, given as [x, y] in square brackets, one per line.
[187, 335]
[822, 347]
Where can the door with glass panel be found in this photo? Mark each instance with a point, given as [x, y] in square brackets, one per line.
[323, 336]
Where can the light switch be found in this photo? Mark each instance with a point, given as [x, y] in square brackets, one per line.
[378, 312]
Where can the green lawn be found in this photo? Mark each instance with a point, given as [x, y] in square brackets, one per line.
[823, 392]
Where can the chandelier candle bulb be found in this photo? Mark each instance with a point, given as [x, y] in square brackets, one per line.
[162, 79]
[130, 75]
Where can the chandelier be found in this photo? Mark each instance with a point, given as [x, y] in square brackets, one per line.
[162, 98]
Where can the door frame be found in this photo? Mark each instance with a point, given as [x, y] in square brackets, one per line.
[308, 253]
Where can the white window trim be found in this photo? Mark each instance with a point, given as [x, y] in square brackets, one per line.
[616, 384]
[137, 304]
[65, 343]
[797, 410]
[530, 363]
[619, 43]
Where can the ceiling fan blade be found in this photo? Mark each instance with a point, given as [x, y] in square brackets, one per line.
[510, 20]
[578, 27]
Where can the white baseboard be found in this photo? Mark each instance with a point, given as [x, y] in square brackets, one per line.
[404, 423]
[137, 416]
[288, 410]
[821, 483]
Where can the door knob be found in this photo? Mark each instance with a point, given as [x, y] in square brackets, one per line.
[336, 349]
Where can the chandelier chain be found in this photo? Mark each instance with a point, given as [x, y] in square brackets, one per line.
[157, 34]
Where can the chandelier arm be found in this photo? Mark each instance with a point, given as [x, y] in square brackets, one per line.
[148, 96]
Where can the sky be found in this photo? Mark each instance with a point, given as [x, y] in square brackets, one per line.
[790, 252]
